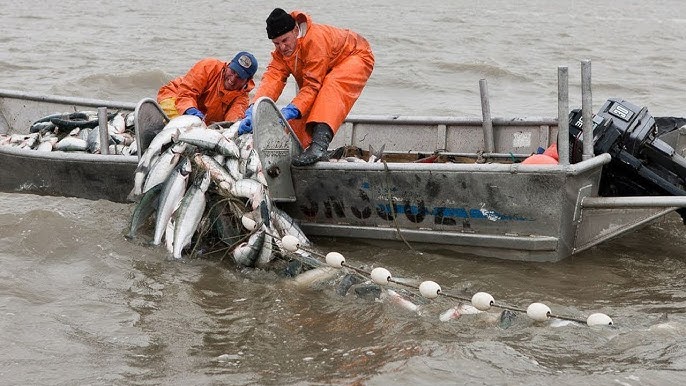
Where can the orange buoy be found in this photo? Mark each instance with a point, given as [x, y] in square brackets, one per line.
[551, 151]
[540, 159]
[549, 157]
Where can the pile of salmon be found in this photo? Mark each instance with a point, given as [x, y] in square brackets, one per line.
[195, 184]
[77, 132]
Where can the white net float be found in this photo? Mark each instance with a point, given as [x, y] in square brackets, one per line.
[538, 312]
[290, 243]
[599, 319]
[335, 259]
[482, 301]
[429, 289]
[380, 275]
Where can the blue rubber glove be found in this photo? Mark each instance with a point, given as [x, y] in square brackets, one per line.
[194, 111]
[290, 112]
[246, 123]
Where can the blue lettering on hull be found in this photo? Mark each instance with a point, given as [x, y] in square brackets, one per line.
[414, 212]
[335, 208]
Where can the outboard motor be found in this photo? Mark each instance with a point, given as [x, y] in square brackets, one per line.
[642, 163]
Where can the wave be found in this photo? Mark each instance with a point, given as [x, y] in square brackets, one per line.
[482, 68]
[7, 66]
[128, 86]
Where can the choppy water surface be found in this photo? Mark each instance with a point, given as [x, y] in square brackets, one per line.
[80, 304]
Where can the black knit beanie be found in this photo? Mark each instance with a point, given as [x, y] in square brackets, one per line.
[278, 23]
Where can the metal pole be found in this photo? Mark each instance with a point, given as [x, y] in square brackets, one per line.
[104, 133]
[563, 115]
[634, 202]
[586, 106]
[486, 114]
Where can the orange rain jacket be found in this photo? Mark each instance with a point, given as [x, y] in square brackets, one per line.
[331, 66]
[203, 88]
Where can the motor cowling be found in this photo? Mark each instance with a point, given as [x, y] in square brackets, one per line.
[642, 164]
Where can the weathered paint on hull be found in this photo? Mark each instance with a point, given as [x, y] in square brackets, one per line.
[509, 211]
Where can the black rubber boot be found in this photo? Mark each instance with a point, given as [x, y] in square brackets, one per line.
[317, 151]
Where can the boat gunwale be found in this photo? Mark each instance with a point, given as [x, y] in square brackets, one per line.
[513, 168]
[80, 101]
[365, 119]
[68, 156]
[449, 120]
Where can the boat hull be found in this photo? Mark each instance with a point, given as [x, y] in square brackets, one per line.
[507, 211]
[94, 177]
[70, 174]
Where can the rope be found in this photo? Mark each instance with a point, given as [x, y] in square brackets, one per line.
[390, 202]
[367, 274]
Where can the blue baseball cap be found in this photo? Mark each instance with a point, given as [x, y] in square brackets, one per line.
[245, 65]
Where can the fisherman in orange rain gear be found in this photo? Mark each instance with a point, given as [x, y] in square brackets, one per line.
[331, 67]
[212, 90]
